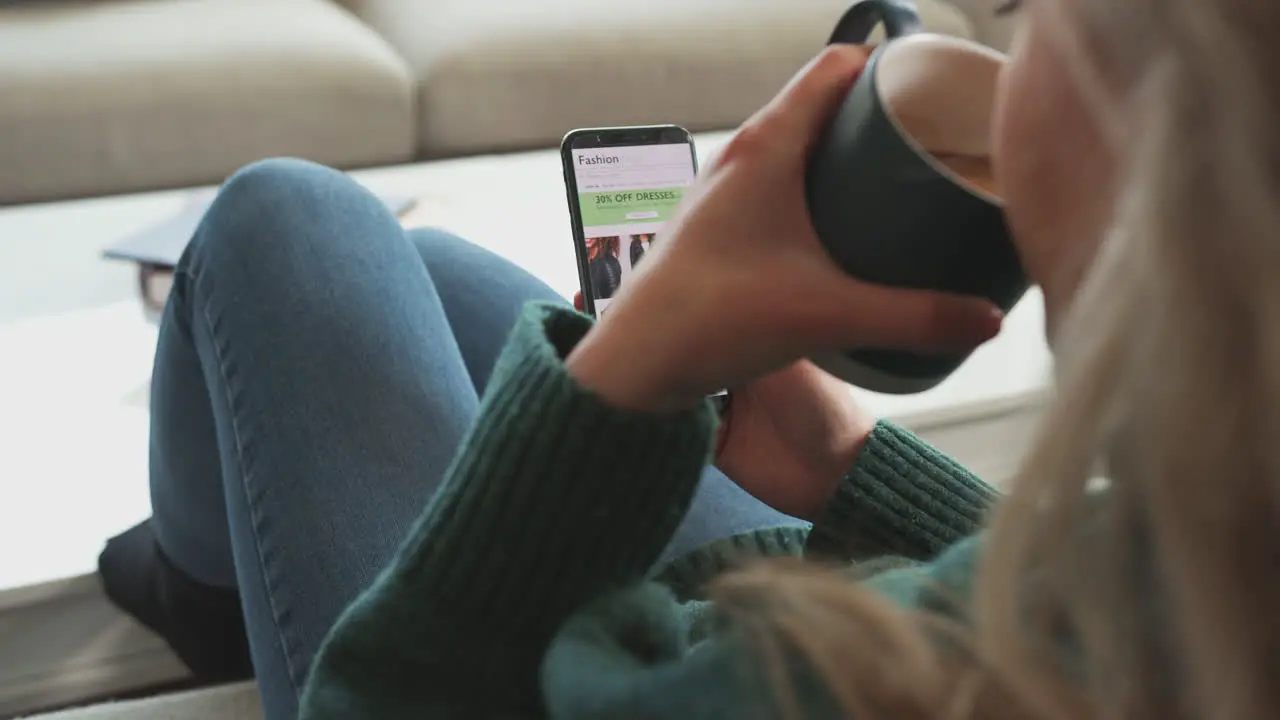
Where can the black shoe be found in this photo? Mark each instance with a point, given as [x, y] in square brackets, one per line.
[202, 623]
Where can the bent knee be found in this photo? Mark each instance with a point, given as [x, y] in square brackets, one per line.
[275, 183]
[260, 207]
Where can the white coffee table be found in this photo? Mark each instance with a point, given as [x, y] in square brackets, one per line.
[75, 356]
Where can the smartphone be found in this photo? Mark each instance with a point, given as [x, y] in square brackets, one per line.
[623, 184]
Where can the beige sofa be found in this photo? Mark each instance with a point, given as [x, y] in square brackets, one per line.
[105, 96]
[110, 96]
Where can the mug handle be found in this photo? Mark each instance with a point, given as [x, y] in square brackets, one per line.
[899, 17]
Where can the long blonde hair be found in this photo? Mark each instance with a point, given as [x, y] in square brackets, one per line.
[1168, 381]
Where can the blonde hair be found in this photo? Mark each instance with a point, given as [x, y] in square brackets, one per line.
[1169, 381]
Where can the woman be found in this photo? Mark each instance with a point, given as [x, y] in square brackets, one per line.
[639, 246]
[1137, 147]
[603, 265]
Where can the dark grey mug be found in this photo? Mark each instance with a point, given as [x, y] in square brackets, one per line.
[899, 186]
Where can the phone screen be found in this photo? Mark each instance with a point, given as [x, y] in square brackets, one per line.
[625, 194]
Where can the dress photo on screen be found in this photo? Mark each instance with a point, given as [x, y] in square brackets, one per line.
[603, 265]
[623, 184]
[639, 246]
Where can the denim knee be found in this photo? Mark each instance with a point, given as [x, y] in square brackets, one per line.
[274, 178]
[258, 210]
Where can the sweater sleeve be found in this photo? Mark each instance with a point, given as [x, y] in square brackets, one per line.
[902, 498]
[554, 498]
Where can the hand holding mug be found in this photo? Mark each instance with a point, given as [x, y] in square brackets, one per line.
[740, 285]
[900, 187]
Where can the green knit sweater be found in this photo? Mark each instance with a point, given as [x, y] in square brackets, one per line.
[527, 587]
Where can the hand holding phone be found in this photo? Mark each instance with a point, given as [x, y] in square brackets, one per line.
[742, 287]
[623, 185]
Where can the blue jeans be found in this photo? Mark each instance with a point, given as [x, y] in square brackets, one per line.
[317, 367]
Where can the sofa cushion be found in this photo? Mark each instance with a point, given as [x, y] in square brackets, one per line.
[228, 702]
[112, 95]
[503, 74]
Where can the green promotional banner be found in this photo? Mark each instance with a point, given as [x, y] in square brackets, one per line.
[624, 207]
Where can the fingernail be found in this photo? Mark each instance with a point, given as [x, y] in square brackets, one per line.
[993, 321]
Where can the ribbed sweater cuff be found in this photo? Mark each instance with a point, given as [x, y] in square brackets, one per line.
[555, 496]
[902, 497]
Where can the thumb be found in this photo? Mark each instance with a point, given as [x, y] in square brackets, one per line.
[804, 107]
[928, 321]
